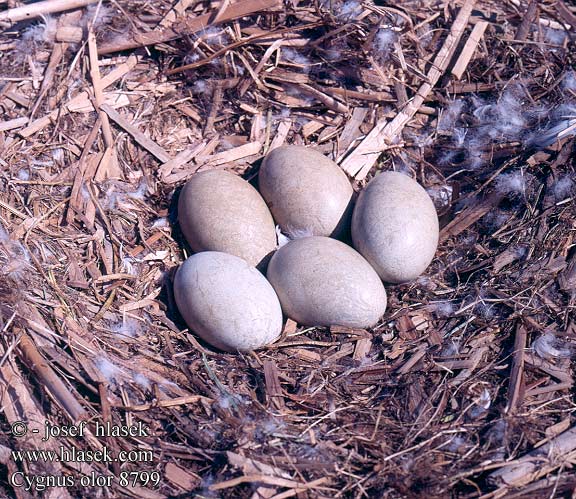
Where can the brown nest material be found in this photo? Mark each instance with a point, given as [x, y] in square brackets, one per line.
[465, 387]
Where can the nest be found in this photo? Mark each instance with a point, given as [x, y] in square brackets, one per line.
[465, 387]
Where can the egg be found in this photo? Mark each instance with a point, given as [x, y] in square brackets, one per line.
[307, 192]
[227, 302]
[395, 227]
[321, 282]
[219, 211]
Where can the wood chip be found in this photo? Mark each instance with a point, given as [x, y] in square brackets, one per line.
[181, 477]
[273, 388]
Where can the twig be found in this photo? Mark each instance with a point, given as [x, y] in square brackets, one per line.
[220, 12]
[244, 86]
[180, 159]
[215, 104]
[107, 418]
[424, 443]
[371, 96]
[328, 101]
[352, 129]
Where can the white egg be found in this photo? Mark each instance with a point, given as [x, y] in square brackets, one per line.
[322, 282]
[395, 227]
[219, 211]
[227, 302]
[306, 192]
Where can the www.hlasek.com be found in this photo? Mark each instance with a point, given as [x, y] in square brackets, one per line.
[104, 454]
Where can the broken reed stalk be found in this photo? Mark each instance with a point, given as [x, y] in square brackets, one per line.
[39, 9]
[35, 362]
[469, 49]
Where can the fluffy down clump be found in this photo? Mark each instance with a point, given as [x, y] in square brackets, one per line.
[511, 183]
[348, 10]
[384, 43]
[549, 346]
[476, 124]
[42, 32]
[563, 187]
[297, 58]
[14, 258]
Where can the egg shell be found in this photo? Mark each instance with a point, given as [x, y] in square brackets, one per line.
[219, 211]
[395, 227]
[307, 192]
[322, 282]
[227, 302]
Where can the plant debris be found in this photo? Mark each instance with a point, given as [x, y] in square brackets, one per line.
[465, 388]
